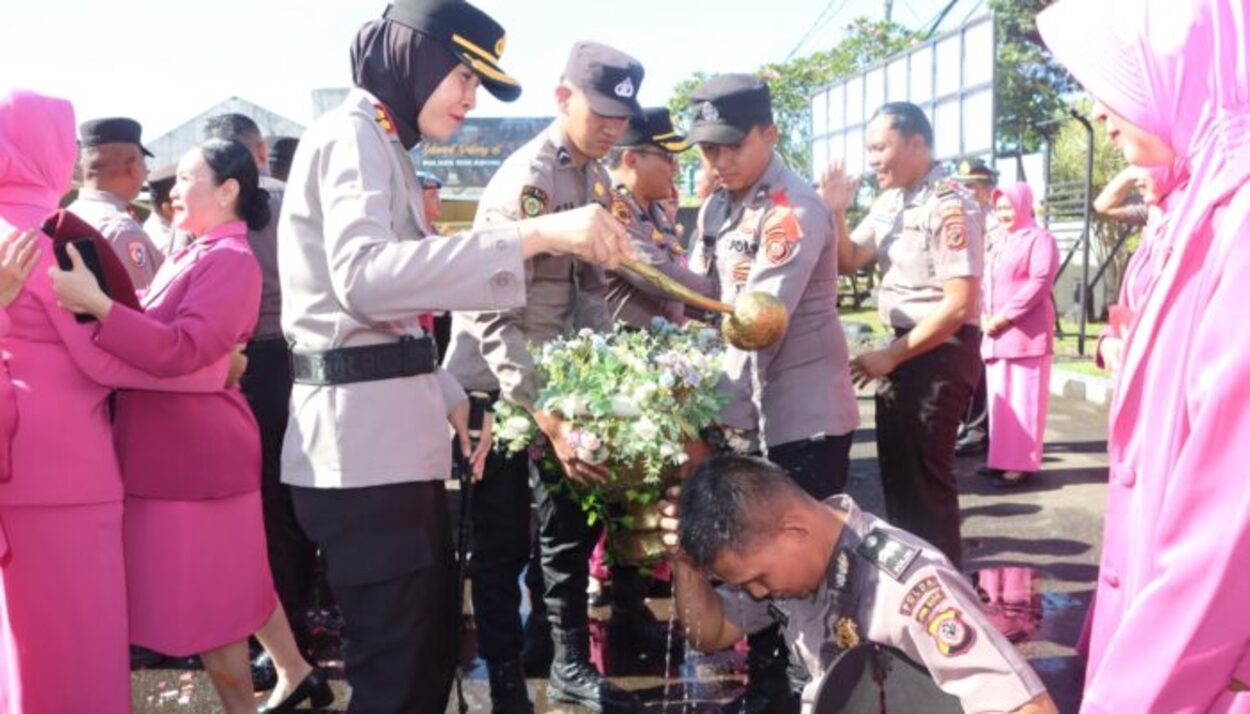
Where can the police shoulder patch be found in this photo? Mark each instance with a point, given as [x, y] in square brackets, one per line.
[951, 634]
[534, 201]
[888, 552]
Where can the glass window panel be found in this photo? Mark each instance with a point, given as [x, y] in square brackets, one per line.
[978, 55]
[979, 122]
[837, 121]
[874, 90]
[922, 75]
[855, 101]
[946, 129]
[820, 117]
[948, 61]
[854, 152]
[896, 80]
[820, 157]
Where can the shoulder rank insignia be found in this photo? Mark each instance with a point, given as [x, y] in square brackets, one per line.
[534, 201]
[951, 634]
[600, 190]
[846, 633]
[656, 236]
[382, 116]
[620, 209]
[889, 553]
[563, 157]
[945, 188]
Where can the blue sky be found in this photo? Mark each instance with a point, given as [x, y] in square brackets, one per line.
[163, 61]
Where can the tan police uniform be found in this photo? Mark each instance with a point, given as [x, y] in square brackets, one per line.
[779, 240]
[111, 216]
[655, 242]
[887, 586]
[923, 236]
[489, 350]
[355, 269]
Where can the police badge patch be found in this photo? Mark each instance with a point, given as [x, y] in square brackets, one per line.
[847, 633]
[534, 201]
[951, 634]
[621, 211]
[955, 234]
[138, 254]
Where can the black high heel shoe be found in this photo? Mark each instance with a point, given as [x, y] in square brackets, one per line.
[315, 688]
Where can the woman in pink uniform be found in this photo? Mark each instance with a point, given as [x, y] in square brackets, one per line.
[1019, 337]
[62, 578]
[1171, 631]
[197, 573]
[1157, 185]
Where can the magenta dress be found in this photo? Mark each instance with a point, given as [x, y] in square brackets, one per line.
[197, 572]
[63, 623]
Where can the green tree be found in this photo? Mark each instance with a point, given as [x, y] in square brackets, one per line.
[793, 82]
[1030, 84]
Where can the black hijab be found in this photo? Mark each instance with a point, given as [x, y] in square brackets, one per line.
[402, 68]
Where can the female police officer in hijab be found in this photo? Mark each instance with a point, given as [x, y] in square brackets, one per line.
[366, 446]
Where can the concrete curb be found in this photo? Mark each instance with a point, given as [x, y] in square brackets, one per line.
[1084, 387]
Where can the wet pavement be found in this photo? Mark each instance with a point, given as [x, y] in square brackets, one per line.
[1034, 549]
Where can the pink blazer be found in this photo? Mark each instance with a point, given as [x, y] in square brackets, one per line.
[1020, 272]
[61, 441]
[202, 302]
[1171, 627]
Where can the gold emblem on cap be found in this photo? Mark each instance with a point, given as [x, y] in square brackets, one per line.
[846, 633]
[500, 45]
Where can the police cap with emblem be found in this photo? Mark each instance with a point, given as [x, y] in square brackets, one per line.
[428, 180]
[654, 128]
[975, 170]
[610, 78]
[112, 130]
[873, 677]
[727, 107]
[467, 32]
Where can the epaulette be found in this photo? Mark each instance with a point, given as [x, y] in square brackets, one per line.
[888, 552]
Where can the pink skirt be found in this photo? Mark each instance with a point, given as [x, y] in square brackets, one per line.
[63, 644]
[197, 572]
[1018, 397]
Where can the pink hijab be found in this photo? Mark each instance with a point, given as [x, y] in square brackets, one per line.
[1021, 198]
[37, 153]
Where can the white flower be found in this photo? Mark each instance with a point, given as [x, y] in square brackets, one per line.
[646, 429]
[574, 405]
[625, 407]
[667, 380]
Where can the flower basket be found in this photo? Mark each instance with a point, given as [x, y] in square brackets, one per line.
[632, 401]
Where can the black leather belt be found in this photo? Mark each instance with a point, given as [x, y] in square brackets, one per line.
[407, 358]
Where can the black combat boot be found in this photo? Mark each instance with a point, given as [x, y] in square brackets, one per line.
[574, 680]
[507, 689]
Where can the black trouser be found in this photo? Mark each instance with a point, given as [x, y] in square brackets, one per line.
[919, 407]
[501, 548]
[565, 543]
[977, 416]
[389, 560]
[820, 467]
[292, 557]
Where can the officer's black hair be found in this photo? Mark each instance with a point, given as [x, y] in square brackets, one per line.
[233, 127]
[232, 160]
[728, 502]
[907, 119]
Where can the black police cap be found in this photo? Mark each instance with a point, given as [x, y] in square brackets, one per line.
[610, 78]
[112, 130]
[654, 128]
[974, 170]
[864, 676]
[425, 179]
[467, 32]
[727, 107]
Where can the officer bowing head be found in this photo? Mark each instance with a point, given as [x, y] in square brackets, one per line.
[424, 61]
[900, 145]
[733, 126]
[832, 577]
[597, 97]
